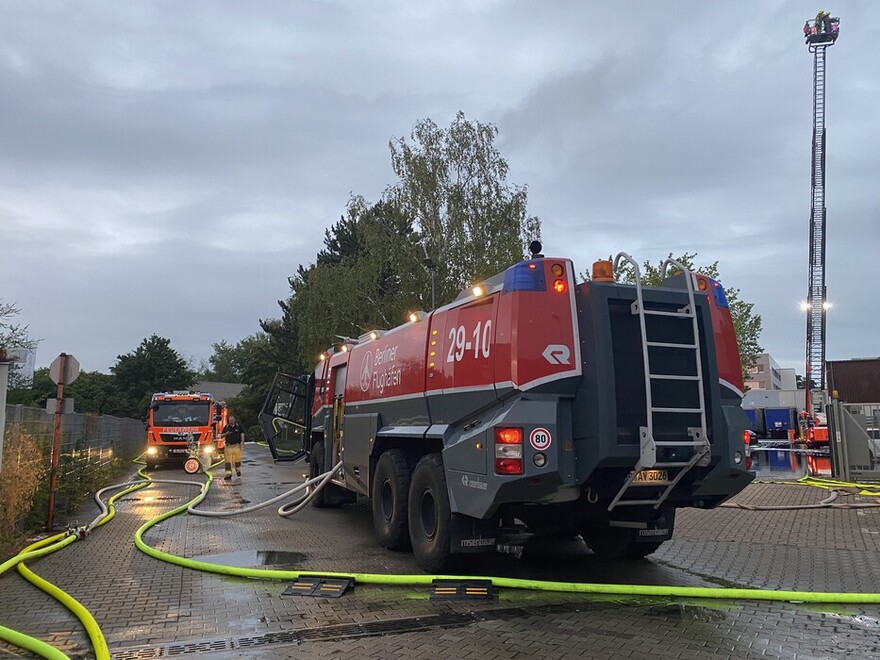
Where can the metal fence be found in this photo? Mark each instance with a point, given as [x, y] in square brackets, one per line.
[85, 439]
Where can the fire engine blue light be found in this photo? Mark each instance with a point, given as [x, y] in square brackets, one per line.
[718, 291]
[522, 277]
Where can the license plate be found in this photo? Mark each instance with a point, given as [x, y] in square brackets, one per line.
[650, 476]
[179, 450]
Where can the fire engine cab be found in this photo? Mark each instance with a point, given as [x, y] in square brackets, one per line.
[531, 405]
[181, 423]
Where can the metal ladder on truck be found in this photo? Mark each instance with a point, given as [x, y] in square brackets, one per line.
[648, 446]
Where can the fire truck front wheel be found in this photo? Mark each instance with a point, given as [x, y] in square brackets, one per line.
[430, 517]
[324, 499]
[389, 499]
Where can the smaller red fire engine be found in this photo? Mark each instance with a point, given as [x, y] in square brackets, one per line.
[182, 423]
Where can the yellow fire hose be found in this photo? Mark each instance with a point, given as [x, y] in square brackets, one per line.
[45, 547]
[53, 543]
[511, 583]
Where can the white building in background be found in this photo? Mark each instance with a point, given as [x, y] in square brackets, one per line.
[21, 374]
[768, 375]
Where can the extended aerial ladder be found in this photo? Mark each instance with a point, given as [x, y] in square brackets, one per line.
[819, 34]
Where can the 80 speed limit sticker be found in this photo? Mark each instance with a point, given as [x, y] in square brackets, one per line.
[540, 439]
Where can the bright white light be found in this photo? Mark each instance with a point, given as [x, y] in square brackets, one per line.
[804, 305]
[826, 305]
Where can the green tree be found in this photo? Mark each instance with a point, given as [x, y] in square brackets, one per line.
[367, 276]
[92, 392]
[252, 361]
[451, 219]
[152, 367]
[471, 222]
[223, 368]
[35, 393]
[13, 335]
[747, 324]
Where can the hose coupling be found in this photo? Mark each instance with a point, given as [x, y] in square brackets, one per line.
[79, 532]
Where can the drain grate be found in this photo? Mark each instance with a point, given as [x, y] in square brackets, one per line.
[347, 631]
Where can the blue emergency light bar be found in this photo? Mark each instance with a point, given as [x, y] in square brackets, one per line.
[718, 293]
[525, 276]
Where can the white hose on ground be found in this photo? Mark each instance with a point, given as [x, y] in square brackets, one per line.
[105, 509]
[829, 502]
[319, 482]
[284, 511]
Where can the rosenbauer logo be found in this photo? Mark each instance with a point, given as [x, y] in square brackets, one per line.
[557, 354]
[367, 371]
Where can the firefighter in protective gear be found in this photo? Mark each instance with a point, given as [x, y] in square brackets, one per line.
[234, 435]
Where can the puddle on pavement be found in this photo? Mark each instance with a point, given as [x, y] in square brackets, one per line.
[789, 463]
[255, 558]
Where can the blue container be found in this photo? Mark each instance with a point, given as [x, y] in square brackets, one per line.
[780, 421]
[756, 421]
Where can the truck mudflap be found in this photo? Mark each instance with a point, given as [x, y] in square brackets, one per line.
[651, 531]
[473, 535]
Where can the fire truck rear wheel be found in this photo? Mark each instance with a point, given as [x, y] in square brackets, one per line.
[389, 499]
[430, 517]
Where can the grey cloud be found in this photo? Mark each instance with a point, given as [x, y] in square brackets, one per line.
[219, 139]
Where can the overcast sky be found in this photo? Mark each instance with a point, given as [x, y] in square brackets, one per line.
[165, 166]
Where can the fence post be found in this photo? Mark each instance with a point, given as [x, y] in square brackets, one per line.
[56, 443]
[4, 382]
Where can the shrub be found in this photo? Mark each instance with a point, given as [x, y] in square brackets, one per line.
[24, 468]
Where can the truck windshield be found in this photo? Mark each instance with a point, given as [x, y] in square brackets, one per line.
[171, 413]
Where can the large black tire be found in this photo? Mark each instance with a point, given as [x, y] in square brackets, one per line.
[430, 517]
[389, 495]
[316, 467]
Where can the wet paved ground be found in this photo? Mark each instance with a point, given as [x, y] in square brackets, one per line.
[151, 609]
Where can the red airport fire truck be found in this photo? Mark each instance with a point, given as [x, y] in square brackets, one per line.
[181, 423]
[529, 406]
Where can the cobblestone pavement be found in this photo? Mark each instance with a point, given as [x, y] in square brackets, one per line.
[151, 609]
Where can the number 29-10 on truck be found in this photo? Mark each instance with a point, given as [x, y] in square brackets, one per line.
[529, 406]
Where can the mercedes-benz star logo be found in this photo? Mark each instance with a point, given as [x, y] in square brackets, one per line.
[367, 371]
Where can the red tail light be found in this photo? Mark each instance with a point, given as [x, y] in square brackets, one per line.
[508, 450]
[559, 286]
[747, 438]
